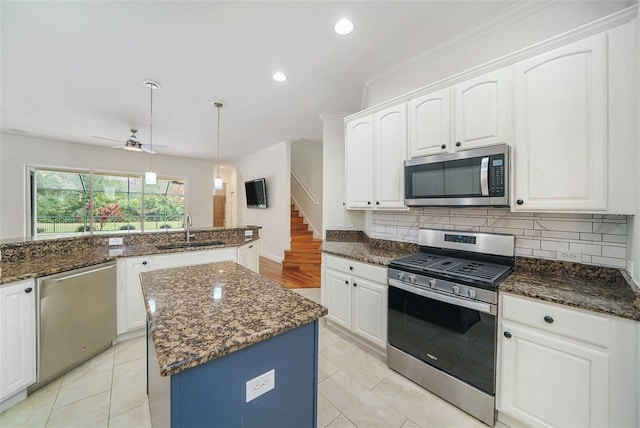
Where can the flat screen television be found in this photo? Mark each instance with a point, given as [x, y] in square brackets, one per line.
[256, 192]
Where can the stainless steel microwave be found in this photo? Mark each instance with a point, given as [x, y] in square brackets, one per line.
[476, 177]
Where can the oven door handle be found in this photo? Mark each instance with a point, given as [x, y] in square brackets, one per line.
[486, 308]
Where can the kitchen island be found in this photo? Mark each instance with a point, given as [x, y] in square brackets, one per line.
[213, 331]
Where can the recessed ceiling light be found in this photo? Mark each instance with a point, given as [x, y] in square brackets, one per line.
[343, 27]
[279, 77]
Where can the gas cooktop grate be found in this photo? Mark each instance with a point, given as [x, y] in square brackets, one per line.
[451, 266]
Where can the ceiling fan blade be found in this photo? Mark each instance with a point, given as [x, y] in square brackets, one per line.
[104, 138]
[156, 145]
[120, 146]
[146, 150]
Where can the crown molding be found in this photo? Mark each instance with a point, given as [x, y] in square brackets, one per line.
[506, 17]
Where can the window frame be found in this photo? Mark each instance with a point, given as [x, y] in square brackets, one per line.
[32, 204]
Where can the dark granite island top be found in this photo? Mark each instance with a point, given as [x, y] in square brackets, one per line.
[200, 313]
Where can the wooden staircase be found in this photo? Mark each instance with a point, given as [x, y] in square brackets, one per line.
[304, 255]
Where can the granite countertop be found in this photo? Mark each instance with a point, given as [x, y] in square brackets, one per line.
[60, 261]
[613, 297]
[199, 313]
[364, 252]
[595, 288]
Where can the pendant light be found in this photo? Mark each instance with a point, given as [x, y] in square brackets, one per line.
[217, 183]
[150, 176]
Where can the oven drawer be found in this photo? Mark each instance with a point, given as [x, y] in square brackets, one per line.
[364, 270]
[572, 323]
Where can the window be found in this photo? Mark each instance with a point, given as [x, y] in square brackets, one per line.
[70, 203]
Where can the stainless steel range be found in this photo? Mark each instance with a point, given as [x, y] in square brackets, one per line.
[442, 315]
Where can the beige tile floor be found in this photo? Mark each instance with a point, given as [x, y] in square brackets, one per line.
[356, 389]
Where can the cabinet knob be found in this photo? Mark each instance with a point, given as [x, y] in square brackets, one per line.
[144, 262]
[458, 143]
[28, 290]
[519, 202]
[350, 267]
[346, 281]
[444, 146]
[377, 202]
[250, 246]
[343, 204]
[368, 202]
[507, 335]
[354, 284]
[548, 319]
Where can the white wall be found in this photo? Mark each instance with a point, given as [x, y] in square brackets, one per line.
[273, 164]
[20, 151]
[510, 31]
[306, 164]
[334, 215]
[634, 226]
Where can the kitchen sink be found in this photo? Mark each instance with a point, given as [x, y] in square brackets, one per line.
[189, 245]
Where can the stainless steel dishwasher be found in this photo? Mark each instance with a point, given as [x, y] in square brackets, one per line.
[77, 319]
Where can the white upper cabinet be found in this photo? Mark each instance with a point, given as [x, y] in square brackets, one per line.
[469, 115]
[376, 147]
[560, 151]
[359, 163]
[481, 111]
[390, 127]
[429, 124]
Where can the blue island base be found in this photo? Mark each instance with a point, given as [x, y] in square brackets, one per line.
[214, 394]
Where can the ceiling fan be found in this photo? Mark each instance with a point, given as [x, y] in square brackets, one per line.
[131, 143]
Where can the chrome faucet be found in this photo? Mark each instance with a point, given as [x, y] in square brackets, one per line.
[187, 226]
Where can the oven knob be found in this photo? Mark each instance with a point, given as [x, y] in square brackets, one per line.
[412, 278]
[432, 283]
[456, 289]
[400, 275]
[472, 293]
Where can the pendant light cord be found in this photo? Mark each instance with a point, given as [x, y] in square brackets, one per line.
[218, 141]
[151, 130]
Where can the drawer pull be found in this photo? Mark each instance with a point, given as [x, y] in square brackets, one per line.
[350, 267]
[144, 262]
[28, 290]
[346, 281]
[507, 335]
[548, 319]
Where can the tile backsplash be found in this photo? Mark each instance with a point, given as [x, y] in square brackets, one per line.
[598, 239]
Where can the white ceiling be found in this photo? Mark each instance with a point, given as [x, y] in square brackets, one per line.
[72, 70]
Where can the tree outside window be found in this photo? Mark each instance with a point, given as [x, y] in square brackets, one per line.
[69, 203]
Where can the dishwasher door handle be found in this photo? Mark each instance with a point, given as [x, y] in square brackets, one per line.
[64, 278]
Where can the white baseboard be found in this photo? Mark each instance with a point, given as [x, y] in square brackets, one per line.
[277, 259]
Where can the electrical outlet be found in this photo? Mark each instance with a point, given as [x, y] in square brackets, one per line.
[115, 252]
[248, 233]
[570, 256]
[261, 384]
[115, 241]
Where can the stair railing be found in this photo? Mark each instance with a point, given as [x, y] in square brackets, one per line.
[314, 200]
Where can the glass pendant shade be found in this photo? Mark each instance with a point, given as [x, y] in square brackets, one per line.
[217, 183]
[150, 177]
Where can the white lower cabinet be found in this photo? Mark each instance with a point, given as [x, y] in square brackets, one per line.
[356, 295]
[249, 256]
[190, 258]
[131, 312]
[17, 337]
[560, 366]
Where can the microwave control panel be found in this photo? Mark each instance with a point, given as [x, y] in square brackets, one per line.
[496, 175]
